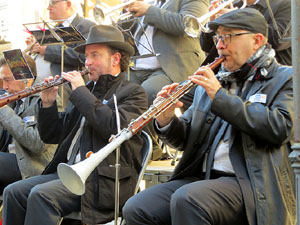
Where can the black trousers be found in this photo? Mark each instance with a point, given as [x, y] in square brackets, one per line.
[189, 202]
[10, 171]
[39, 200]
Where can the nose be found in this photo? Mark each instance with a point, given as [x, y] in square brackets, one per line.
[88, 61]
[5, 86]
[220, 44]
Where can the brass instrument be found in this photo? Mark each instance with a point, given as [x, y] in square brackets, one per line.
[100, 13]
[74, 176]
[29, 47]
[4, 100]
[194, 26]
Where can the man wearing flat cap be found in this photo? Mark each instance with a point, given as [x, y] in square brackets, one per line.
[87, 125]
[235, 136]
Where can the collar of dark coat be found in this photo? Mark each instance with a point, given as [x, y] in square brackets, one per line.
[105, 82]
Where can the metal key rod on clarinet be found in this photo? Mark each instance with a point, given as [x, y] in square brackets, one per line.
[35, 89]
[74, 176]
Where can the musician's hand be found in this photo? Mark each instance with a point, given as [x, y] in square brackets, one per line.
[29, 40]
[167, 115]
[49, 96]
[37, 48]
[75, 78]
[139, 8]
[206, 78]
[213, 5]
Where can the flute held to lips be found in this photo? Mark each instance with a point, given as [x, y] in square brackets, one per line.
[34, 89]
[74, 176]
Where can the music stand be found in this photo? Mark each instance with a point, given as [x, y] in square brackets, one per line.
[126, 27]
[18, 65]
[51, 34]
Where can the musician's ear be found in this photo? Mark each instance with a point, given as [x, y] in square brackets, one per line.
[69, 3]
[258, 40]
[116, 58]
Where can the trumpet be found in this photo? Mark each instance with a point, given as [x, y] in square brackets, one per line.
[74, 176]
[100, 13]
[194, 26]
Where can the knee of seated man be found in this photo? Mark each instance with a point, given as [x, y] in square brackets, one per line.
[188, 195]
[13, 189]
[180, 198]
[37, 193]
[129, 208]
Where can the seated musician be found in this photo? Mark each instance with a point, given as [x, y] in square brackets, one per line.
[87, 125]
[22, 152]
[235, 137]
[275, 12]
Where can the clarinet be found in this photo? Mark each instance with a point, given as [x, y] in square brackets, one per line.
[74, 176]
[163, 104]
[4, 100]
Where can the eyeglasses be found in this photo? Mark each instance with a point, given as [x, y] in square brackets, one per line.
[226, 38]
[51, 2]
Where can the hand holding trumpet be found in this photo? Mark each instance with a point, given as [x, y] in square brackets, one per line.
[215, 4]
[33, 47]
[139, 8]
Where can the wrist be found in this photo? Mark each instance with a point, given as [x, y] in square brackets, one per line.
[164, 122]
[47, 104]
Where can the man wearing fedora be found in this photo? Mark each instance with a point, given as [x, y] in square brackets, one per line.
[87, 125]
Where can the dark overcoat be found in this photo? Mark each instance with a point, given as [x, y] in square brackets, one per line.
[261, 131]
[97, 204]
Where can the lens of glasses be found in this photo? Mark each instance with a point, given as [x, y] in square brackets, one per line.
[216, 39]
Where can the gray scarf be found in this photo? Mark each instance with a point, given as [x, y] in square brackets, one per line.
[260, 60]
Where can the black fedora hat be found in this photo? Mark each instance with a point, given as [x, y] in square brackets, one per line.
[106, 35]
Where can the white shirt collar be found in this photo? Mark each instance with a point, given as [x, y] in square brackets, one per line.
[68, 21]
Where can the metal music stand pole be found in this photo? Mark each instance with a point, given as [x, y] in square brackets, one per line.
[63, 48]
[117, 166]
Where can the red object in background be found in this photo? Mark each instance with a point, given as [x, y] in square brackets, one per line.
[1, 222]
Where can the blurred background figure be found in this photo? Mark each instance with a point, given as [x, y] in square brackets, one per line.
[23, 153]
[48, 58]
[174, 54]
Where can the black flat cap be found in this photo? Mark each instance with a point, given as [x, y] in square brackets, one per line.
[245, 19]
